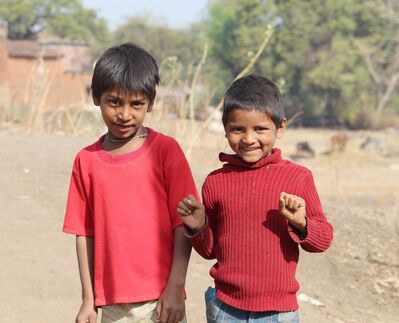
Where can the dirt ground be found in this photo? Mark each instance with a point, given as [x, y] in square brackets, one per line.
[356, 280]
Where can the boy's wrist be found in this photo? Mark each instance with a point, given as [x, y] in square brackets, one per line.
[196, 229]
[88, 299]
[301, 227]
[177, 283]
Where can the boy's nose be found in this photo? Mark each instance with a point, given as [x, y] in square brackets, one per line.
[249, 138]
[124, 113]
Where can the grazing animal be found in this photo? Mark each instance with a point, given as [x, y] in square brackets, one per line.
[338, 142]
[375, 145]
[303, 150]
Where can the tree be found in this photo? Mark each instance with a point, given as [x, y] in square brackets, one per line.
[63, 18]
[381, 52]
[337, 57]
[235, 29]
[160, 39]
[314, 52]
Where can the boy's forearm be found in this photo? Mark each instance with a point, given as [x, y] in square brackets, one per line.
[202, 241]
[181, 256]
[85, 253]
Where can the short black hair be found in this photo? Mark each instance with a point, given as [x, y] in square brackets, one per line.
[254, 92]
[126, 68]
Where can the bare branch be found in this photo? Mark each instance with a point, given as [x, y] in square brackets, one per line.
[366, 54]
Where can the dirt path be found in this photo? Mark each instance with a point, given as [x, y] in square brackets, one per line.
[357, 280]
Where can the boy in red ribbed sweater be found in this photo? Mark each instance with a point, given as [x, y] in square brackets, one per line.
[257, 209]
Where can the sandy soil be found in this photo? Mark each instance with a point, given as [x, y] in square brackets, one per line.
[356, 280]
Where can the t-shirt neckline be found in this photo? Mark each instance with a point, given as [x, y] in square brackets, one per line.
[126, 157]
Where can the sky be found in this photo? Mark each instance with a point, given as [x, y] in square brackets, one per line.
[177, 14]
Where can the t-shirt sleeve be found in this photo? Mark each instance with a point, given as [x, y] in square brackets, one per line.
[78, 217]
[178, 179]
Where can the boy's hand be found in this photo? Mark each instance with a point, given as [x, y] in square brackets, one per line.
[171, 307]
[87, 313]
[293, 208]
[192, 213]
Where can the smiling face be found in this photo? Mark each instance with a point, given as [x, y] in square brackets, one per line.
[252, 134]
[123, 113]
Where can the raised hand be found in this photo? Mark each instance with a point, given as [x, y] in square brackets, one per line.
[293, 208]
[192, 213]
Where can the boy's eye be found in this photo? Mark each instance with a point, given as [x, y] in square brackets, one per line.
[260, 129]
[137, 103]
[114, 102]
[236, 129]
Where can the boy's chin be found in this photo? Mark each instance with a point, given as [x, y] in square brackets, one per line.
[251, 159]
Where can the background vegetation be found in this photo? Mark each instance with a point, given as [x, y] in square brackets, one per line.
[336, 58]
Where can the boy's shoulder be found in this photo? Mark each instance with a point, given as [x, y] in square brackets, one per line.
[290, 165]
[164, 143]
[89, 149]
[164, 138]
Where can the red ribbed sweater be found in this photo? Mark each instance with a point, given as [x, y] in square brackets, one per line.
[255, 248]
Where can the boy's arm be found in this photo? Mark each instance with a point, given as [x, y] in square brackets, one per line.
[318, 232]
[197, 227]
[85, 254]
[170, 307]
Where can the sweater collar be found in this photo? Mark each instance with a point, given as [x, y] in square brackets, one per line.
[236, 160]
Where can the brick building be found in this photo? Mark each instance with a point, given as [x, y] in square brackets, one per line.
[50, 73]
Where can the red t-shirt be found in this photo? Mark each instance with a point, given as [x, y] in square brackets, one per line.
[128, 203]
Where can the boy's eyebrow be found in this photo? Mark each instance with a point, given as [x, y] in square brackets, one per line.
[112, 96]
[237, 124]
[115, 96]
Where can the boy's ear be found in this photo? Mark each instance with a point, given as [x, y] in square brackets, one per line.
[96, 101]
[150, 104]
[280, 130]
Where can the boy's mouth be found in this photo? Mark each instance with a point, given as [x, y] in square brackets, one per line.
[249, 149]
[124, 128]
[124, 125]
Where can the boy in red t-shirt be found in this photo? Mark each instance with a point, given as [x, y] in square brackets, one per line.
[258, 208]
[122, 201]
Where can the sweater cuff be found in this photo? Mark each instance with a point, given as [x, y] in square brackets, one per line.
[319, 236]
[190, 234]
[316, 240]
[296, 235]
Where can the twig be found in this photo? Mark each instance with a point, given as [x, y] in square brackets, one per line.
[194, 82]
[295, 116]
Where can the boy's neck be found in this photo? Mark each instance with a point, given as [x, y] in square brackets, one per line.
[116, 146]
[141, 133]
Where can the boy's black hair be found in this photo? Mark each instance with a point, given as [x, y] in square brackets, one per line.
[254, 92]
[127, 68]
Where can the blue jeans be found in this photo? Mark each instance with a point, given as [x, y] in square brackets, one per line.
[218, 312]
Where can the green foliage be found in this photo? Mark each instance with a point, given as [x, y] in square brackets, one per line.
[235, 30]
[63, 18]
[184, 46]
[313, 50]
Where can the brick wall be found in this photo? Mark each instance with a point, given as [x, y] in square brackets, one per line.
[33, 77]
